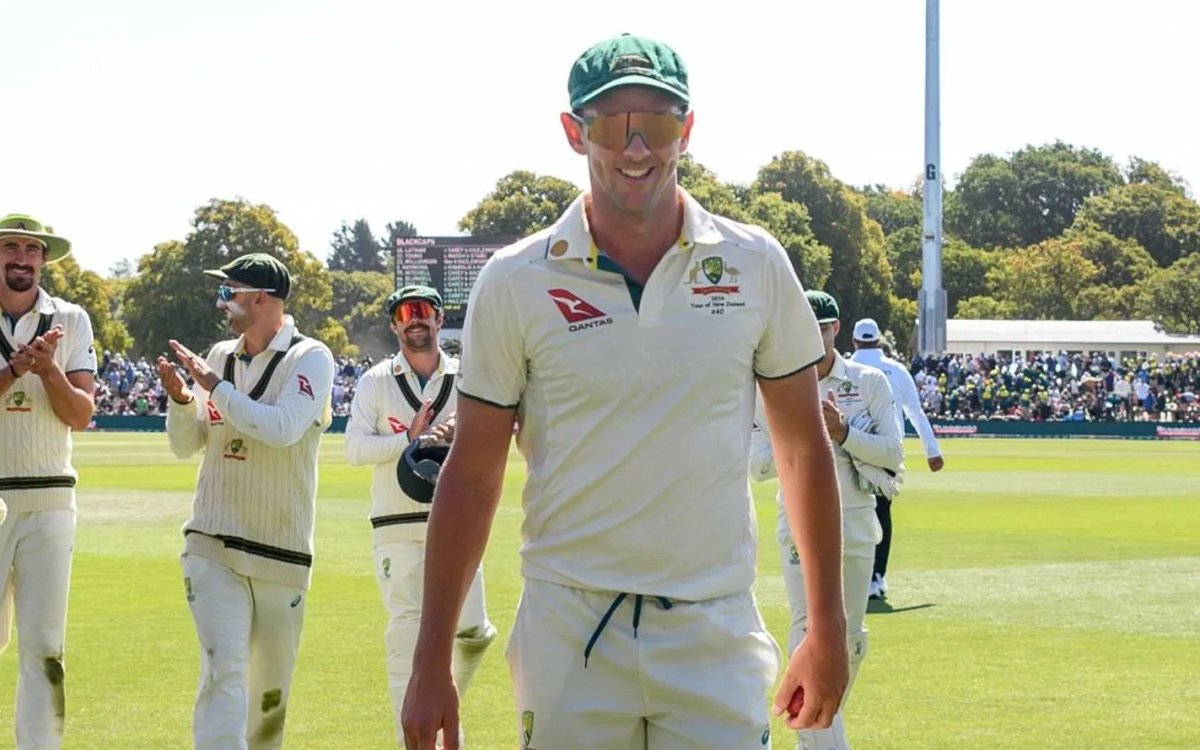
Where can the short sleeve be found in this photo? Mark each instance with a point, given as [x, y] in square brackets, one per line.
[791, 338]
[81, 356]
[492, 364]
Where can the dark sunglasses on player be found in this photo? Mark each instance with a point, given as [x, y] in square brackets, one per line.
[225, 292]
[417, 309]
[614, 132]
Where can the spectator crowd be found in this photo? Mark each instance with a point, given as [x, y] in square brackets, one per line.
[125, 387]
[1038, 387]
[1060, 387]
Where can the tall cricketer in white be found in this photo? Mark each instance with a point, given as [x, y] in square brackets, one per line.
[257, 411]
[397, 401]
[46, 385]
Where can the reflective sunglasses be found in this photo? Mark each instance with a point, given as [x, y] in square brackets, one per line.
[225, 292]
[415, 309]
[614, 132]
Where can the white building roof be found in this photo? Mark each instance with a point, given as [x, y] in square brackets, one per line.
[1101, 332]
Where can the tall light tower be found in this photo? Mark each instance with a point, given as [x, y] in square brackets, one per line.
[931, 303]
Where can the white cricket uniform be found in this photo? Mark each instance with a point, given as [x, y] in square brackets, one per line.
[637, 626]
[247, 560]
[37, 481]
[865, 398]
[904, 391]
[385, 403]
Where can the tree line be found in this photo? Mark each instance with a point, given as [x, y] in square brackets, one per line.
[1051, 231]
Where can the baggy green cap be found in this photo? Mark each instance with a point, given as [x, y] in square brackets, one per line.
[824, 306]
[627, 60]
[413, 291]
[259, 270]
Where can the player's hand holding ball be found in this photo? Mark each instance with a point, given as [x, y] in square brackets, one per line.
[815, 681]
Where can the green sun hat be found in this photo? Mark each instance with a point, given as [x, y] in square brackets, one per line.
[24, 225]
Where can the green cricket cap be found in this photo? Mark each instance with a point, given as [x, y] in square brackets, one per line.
[824, 306]
[413, 291]
[627, 60]
[259, 270]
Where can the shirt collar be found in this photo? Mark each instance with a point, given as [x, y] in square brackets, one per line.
[279, 343]
[45, 303]
[873, 354]
[446, 364]
[838, 371]
[571, 239]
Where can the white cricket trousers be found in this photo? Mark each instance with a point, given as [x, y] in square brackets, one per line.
[625, 672]
[400, 572]
[35, 579]
[860, 533]
[249, 634]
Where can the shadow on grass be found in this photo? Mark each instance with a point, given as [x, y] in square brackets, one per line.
[881, 607]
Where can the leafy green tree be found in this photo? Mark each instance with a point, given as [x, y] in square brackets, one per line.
[1044, 281]
[860, 275]
[788, 222]
[1142, 172]
[716, 197]
[1027, 198]
[358, 302]
[394, 231]
[1172, 295]
[893, 209]
[984, 307]
[521, 204]
[354, 248]
[68, 280]
[172, 298]
[903, 248]
[1161, 219]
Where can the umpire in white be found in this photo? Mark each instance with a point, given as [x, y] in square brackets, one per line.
[867, 351]
[260, 405]
[47, 376]
[868, 451]
[399, 400]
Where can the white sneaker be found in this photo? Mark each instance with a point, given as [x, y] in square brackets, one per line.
[878, 588]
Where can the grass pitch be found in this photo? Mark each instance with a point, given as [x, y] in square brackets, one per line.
[1045, 593]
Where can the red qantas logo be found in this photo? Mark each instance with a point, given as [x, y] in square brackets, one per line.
[572, 308]
[396, 425]
[305, 386]
[214, 416]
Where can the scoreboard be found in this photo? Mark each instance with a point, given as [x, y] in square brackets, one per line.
[448, 264]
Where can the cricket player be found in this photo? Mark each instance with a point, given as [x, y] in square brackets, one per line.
[46, 386]
[859, 417]
[626, 341]
[256, 411]
[908, 402]
[396, 401]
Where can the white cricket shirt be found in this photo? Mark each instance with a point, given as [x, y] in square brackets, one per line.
[904, 390]
[256, 487]
[635, 423]
[377, 434]
[36, 472]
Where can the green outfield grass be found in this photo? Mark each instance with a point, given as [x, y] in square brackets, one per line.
[1045, 594]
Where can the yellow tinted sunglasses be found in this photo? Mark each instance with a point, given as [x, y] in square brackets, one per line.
[615, 131]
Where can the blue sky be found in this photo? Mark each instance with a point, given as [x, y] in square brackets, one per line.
[122, 117]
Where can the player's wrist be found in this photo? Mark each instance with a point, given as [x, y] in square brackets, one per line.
[12, 368]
